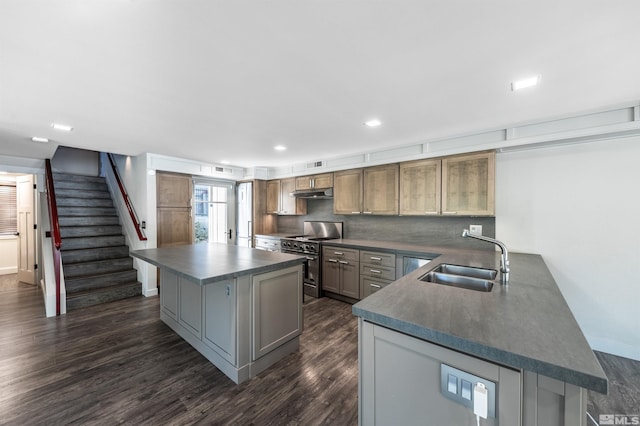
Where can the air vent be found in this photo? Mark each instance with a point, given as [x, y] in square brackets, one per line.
[219, 169]
[315, 164]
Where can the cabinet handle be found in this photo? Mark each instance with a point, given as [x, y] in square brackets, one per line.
[449, 212]
[375, 286]
[367, 212]
[333, 260]
[375, 271]
[310, 183]
[355, 212]
[375, 258]
[344, 262]
[338, 253]
[433, 212]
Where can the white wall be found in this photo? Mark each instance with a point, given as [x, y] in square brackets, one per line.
[579, 207]
[76, 161]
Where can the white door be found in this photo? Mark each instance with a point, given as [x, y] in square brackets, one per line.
[214, 207]
[26, 234]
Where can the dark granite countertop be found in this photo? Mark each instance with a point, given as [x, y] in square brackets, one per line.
[525, 325]
[207, 263]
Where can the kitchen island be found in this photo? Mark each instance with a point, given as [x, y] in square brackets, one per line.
[522, 337]
[239, 307]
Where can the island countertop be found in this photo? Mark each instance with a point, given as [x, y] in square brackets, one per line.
[207, 263]
[525, 325]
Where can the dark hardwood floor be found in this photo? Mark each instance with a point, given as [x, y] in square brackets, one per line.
[118, 363]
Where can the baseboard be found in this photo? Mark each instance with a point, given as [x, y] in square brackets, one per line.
[9, 270]
[151, 292]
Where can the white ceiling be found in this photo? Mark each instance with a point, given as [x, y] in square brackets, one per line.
[228, 80]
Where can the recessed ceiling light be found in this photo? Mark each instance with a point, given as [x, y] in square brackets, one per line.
[373, 123]
[39, 139]
[225, 162]
[280, 147]
[525, 82]
[62, 127]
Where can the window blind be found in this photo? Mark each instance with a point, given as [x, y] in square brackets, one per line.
[8, 209]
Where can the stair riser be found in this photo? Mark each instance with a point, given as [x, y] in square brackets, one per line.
[83, 193]
[93, 255]
[66, 177]
[104, 296]
[89, 231]
[86, 211]
[92, 242]
[93, 268]
[83, 202]
[88, 220]
[74, 285]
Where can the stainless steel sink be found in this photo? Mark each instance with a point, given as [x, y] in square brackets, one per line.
[468, 277]
[467, 271]
[458, 281]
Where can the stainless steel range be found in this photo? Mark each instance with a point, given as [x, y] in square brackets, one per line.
[308, 244]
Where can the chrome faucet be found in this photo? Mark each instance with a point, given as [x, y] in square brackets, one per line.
[504, 260]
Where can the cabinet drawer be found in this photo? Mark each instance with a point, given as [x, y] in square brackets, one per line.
[369, 286]
[376, 258]
[340, 253]
[376, 271]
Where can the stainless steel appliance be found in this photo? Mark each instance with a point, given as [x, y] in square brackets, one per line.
[267, 243]
[308, 244]
[244, 228]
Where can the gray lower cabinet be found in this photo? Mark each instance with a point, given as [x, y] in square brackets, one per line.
[242, 325]
[400, 382]
[341, 271]
[401, 378]
[377, 270]
[273, 321]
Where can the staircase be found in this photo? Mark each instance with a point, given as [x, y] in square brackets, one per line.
[95, 260]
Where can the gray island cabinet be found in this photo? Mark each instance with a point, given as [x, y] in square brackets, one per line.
[423, 347]
[239, 307]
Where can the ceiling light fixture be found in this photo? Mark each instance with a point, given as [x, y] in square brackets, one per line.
[39, 139]
[280, 147]
[225, 162]
[373, 123]
[62, 127]
[525, 82]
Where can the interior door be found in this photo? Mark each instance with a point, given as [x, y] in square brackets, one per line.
[25, 195]
[214, 206]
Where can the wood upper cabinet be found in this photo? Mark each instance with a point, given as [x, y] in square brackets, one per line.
[273, 196]
[420, 184]
[380, 190]
[468, 184]
[324, 180]
[280, 202]
[347, 191]
[173, 208]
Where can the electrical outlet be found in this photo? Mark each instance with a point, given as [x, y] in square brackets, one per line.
[475, 229]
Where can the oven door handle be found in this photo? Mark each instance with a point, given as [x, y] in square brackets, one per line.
[310, 258]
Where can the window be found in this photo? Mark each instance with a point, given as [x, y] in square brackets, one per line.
[8, 208]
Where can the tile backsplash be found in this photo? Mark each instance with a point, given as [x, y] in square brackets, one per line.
[427, 230]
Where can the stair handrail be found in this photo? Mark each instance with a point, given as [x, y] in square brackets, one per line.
[127, 200]
[56, 240]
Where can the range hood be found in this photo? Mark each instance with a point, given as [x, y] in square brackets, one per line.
[313, 193]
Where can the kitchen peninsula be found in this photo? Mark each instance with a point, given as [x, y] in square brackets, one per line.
[239, 307]
[521, 338]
